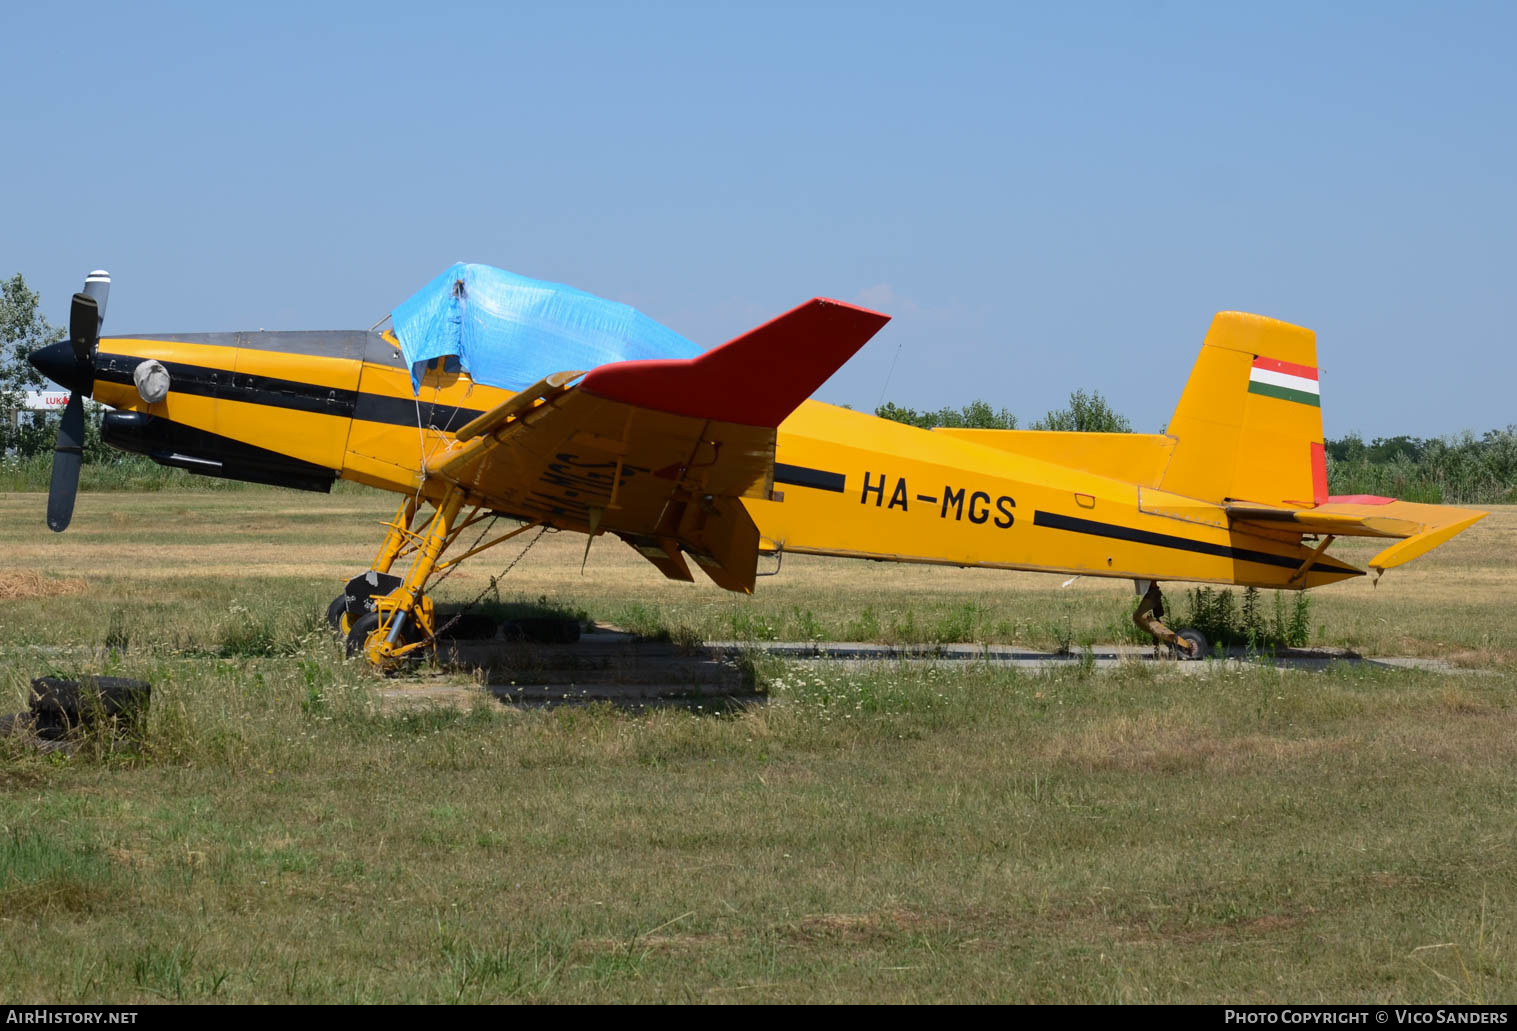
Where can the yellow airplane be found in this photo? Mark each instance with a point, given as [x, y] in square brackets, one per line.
[722, 457]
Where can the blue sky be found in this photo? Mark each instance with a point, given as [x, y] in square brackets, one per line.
[1046, 196]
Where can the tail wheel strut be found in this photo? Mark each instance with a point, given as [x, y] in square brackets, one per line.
[1187, 644]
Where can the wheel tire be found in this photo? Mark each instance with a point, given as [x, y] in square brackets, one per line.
[336, 611]
[58, 706]
[358, 634]
[79, 699]
[1197, 641]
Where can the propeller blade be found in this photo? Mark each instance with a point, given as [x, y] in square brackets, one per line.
[97, 286]
[84, 326]
[68, 455]
[85, 317]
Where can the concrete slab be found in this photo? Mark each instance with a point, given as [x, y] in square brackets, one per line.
[613, 666]
[1104, 657]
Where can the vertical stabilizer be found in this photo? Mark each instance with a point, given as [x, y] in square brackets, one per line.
[1249, 424]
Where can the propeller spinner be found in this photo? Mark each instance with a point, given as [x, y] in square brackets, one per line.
[71, 363]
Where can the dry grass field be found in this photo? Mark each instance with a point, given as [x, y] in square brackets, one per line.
[952, 833]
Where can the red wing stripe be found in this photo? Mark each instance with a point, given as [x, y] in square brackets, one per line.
[756, 379]
[1359, 499]
[1289, 368]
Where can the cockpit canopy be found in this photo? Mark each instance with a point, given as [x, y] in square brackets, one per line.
[509, 331]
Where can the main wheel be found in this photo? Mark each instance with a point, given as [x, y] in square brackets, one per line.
[358, 634]
[1197, 641]
[357, 639]
[336, 611]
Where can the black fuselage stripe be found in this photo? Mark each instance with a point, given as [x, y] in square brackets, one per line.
[1054, 521]
[402, 411]
[803, 476]
[203, 381]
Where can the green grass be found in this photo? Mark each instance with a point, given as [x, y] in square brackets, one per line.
[891, 835]
[953, 833]
[179, 564]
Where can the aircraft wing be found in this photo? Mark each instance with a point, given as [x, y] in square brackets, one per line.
[660, 452]
[1421, 528]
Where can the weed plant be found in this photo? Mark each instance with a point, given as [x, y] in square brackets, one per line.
[1224, 621]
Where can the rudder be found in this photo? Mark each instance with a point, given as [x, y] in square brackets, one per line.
[1249, 423]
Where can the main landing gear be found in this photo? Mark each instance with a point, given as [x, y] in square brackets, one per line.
[1186, 644]
[389, 619]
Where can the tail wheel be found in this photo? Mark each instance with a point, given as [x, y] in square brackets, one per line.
[1197, 641]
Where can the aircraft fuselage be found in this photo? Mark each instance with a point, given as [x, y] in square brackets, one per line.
[303, 409]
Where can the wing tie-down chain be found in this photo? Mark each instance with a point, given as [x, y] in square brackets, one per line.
[493, 585]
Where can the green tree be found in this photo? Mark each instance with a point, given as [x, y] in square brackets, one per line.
[1350, 448]
[910, 416]
[22, 330]
[1087, 413]
[977, 415]
[1455, 469]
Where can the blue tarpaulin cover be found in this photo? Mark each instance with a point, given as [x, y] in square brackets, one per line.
[509, 331]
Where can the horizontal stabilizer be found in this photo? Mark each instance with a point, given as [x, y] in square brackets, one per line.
[1311, 520]
[1421, 527]
[756, 379]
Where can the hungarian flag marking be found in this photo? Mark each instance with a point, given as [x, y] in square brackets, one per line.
[1284, 380]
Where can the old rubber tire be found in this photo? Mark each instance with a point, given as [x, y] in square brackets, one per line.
[1197, 641]
[88, 696]
[58, 706]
